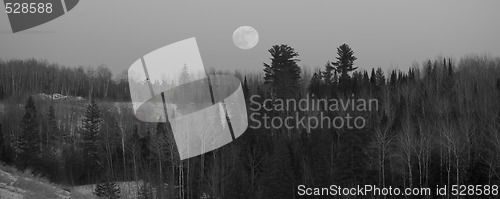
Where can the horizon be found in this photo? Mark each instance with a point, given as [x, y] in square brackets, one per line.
[310, 70]
[386, 34]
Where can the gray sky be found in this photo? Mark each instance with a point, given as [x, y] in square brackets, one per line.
[390, 34]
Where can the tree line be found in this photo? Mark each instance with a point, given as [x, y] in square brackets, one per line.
[19, 78]
[437, 124]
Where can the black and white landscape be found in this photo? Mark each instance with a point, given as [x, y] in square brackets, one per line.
[338, 96]
[437, 123]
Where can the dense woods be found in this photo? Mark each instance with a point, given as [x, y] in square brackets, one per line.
[438, 123]
[19, 78]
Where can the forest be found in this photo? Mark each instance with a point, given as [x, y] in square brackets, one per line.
[437, 123]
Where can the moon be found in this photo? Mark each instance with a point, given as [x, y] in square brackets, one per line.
[245, 37]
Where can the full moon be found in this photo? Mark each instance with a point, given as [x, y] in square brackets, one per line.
[245, 37]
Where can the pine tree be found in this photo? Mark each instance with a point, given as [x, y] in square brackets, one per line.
[380, 77]
[428, 69]
[28, 143]
[373, 79]
[344, 64]
[107, 190]
[90, 136]
[51, 141]
[53, 133]
[394, 78]
[182, 95]
[329, 79]
[184, 76]
[246, 91]
[283, 74]
[366, 80]
[412, 74]
[328, 74]
[315, 86]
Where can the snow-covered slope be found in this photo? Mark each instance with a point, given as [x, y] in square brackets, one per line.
[17, 185]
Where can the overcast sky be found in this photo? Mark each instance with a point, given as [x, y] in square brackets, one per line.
[390, 34]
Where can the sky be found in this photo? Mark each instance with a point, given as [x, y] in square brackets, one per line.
[389, 34]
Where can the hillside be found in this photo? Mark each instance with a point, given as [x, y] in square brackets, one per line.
[15, 185]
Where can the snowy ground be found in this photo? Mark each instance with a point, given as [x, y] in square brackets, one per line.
[17, 186]
[7, 191]
[14, 186]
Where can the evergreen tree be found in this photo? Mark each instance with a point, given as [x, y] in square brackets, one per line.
[184, 76]
[428, 69]
[328, 74]
[330, 79]
[50, 162]
[90, 136]
[373, 79]
[53, 133]
[412, 74]
[379, 75]
[107, 190]
[344, 64]
[315, 86]
[283, 73]
[246, 91]
[182, 96]
[28, 143]
[394, 78]
[366, 80]
[354, 85]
